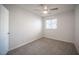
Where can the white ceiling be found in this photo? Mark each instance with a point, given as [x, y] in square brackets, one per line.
[35, 8]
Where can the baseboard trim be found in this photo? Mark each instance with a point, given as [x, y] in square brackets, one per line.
[34, 40]
[59, 40]
[23, 44]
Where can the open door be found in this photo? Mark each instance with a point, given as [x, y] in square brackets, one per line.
[4, 29]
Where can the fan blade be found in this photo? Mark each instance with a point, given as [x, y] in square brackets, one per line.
[54, 9]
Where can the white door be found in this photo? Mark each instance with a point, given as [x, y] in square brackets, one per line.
[4, 28]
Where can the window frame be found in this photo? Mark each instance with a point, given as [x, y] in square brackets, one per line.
[51, 26]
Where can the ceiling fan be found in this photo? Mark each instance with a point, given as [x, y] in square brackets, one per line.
[44, 8]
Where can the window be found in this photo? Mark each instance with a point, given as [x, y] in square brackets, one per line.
[51, 24]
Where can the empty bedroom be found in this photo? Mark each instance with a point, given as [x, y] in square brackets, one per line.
[39, 29]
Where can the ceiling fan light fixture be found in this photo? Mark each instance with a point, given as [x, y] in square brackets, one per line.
[45, 12]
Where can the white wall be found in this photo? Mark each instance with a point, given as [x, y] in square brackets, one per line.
[77, 27]
[65, 30]
[25, 27]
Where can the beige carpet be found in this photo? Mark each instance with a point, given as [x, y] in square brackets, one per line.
[45, 46]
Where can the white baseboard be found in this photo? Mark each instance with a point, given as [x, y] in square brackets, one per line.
[22, 44]
[32, 41]
[59, 40]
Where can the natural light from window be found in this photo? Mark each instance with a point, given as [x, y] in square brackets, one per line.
[51, 24]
